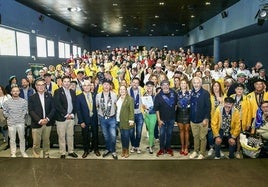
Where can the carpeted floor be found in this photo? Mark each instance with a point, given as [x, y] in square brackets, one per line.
[150, 173]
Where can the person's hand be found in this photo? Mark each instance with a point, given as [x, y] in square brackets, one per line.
[231, 141]
[205, 122]
[83, 125]
[218, 140]
[160, 123]
[131, 123]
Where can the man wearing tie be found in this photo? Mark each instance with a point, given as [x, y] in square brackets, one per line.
[86, 110]
[65, 105]
[41, 109]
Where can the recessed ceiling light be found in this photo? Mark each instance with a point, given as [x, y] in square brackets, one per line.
[161, 3]
[172, 34]
[115, 4]
[207, 3]
[152, 30]
[177, 30]
[153, 24]
[192, 16]
[76, 9]
[183, 24]
[107, 35]
[124, 25]
[126, 30]
[156, 16]
[120, 17]
[102, 31]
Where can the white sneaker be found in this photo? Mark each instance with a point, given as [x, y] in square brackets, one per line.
[210, 152]
[222, 154]
[133, 149]
[13, 156]
[200, 157]
[138, 150]
[24, 155]
[193, 155]
[217, 158]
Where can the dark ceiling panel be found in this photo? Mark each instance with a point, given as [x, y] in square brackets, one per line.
[130, 17]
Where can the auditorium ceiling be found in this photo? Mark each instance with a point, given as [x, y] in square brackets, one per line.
[100, 18]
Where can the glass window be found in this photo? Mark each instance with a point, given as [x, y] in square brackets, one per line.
[74, 51]
[41, 47]
[23, 44]
[61, 50]
[79, 51]
[50, 48]
[67, 50]
[7, 43]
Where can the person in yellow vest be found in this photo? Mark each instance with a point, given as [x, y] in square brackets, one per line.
[225, 125]
[257, 97]
[50, 85]
[243, 106]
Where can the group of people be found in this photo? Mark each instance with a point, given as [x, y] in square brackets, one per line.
[125, 89]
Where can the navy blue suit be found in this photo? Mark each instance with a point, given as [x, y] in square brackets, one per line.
[91, 123]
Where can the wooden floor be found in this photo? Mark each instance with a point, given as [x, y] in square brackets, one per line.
[28, 172]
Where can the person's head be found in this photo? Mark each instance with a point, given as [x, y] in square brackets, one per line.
[107, 85]
[165, 86]
[264, 108]
[13, 80]
[86, 86]
[259, 85]
[150, 86]
[47, 78]
[228, 103]
[197, 83]
[40, 85]
[216, 88]
[123, 82]
[135, 83]
[241, 77]
[177, 82]
[41, 73]
[154, 78]
[66, 81]
[184, 85]
[59, 81]
[15, 91]
[73, 85]
[198, 73]
[2, 90]
[262, 72]
[122, 90]
[80, 74]
[239, 89]
[25, 83]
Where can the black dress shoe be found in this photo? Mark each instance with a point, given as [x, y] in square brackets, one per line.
[115, 156]
[62, 156]
[97, 153]
[85, 154]
[106, 153]
[73, 154]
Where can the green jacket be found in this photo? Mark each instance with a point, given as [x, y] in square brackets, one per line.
[126, 113]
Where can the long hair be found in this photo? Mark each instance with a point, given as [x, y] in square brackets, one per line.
[220, 89]
[3, 90]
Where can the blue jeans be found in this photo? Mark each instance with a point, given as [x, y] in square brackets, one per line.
[125, 137]
[136, 138]
[232, 148]
[165, 134]
[156, 130]
[108, 127]
[210, 138]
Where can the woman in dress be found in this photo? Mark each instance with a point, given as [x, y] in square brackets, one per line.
[183, 115]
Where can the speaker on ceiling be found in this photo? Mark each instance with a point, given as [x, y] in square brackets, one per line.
[224, 14]
[201, 27]
[41, 18]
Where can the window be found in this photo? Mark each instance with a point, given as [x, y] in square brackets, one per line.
[23, 44]
[7, 43]
[50, 48]
[79, 51]
[61, 50]
[41, 47]
[74, 51]
[67, 50]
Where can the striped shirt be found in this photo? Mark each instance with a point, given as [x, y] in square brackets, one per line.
[15, 110]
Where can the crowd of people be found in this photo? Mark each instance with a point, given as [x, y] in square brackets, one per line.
[125, 89]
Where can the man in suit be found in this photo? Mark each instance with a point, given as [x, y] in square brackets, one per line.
[41, 109]
[65, 104]
[86, 110]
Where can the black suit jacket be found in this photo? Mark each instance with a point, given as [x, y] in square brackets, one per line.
[36, 110]
[61, 104]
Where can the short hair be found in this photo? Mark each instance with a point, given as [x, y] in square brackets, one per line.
[135, 78]
[66, 77]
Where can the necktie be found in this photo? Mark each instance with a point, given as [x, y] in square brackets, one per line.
[89, 104]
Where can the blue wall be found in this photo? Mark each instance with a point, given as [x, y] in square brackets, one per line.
[102, 42]
[16, 15]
